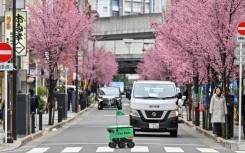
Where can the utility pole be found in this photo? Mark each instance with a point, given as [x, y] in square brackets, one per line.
[14, 133]
[76, 81]
[196, 100]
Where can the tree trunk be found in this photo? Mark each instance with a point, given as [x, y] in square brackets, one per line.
[52, 84]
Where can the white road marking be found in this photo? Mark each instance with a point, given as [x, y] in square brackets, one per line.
[72, 149]
[173, 149]
[206, 150]
[104, 149]
[126, 104]
[106, 143]
[240, 151]
[140, 149]
[38, 150]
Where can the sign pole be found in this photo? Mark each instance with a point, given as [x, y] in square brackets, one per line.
[36, 79]
[14, 73]
[66, 80]
[240, 94]
[6, 104]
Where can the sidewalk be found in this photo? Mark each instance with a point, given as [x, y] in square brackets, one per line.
[229, 143]
[21, 140]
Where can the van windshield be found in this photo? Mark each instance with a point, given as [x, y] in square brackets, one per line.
[146, 90]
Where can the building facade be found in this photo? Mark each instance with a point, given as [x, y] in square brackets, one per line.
[107, 8]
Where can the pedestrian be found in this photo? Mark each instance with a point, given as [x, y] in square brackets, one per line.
[3, 113]
[1, 108]
[69, 91]
[218, 110]
[243, 114]
[34, 100]
[56, 93]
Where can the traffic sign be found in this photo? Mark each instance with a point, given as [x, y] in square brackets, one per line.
[237, 62]
[237, 52]
[6, 66]
[240, 39]
[6, 52]
[241, 28]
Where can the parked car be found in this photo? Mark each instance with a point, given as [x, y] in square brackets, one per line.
[109, 97]
[73, 88]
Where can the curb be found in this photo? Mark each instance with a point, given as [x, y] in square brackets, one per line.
[225, 143]
[28, 138]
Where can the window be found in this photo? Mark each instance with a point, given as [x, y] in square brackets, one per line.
[105, 9]
[115, 13]
[109, 91]
[144, 90]
[115, 3]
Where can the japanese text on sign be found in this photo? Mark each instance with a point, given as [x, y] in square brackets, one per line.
[6, 66]
[20, 31]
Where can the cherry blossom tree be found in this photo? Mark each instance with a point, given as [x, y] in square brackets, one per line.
[55, 29]
[197, 36]
[99, 66]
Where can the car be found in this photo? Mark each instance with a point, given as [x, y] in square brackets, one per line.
[154, 107]
[109, 97]
[73, 88]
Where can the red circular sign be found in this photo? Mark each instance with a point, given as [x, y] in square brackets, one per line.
[241, 28]
[6, 52]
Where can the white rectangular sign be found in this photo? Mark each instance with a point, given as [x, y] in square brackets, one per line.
[21, 35]
[20, 4]
[236, 62]
[240, 39]
[6, 66]
[237, 52]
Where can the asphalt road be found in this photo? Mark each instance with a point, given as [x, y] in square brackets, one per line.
[88, 134]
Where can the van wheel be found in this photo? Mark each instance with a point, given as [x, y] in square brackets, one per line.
[174, 133]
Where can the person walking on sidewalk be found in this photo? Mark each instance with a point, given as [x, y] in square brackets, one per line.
[218, 110]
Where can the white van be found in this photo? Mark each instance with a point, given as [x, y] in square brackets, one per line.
[154, 107]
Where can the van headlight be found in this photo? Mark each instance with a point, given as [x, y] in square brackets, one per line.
[174, 113]
[134, 112]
